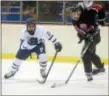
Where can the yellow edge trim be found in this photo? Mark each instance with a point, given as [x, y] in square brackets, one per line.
[58, 59]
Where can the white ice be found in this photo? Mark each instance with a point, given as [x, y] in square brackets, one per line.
[24, 82]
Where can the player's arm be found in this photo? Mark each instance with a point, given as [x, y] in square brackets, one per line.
[101, 13]
[22, 37]
[21, 42]
[85, 32]
[49, 36]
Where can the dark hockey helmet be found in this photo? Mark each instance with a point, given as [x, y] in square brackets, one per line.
[31, 25]
[75, 12]
[31, 21]
[75, 8]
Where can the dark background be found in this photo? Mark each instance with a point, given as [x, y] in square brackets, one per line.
[43, 11]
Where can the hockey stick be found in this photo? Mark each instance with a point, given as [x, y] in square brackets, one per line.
[82, 54]
[67, 80]
[72, 72]
[42, 82]
[61, 84]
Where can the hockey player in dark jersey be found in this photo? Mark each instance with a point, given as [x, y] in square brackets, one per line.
[86, 23]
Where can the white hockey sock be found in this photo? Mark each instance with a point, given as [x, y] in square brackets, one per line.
[16, 64]
[43, 61]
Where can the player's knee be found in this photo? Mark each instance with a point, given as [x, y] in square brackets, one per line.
[17, 61]
[43, 61]
[92, 51]
[97, 38]
[42, 57]
[23, 54]
[86, 56]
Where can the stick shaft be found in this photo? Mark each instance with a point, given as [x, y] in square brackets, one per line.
[50, 66]
[72, 72]
[83, 52]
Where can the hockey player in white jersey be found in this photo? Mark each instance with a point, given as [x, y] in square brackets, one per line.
[32, 40]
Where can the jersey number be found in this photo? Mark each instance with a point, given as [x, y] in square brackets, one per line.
[41, 49]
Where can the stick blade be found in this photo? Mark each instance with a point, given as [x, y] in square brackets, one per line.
[54, 85]
[41, 81]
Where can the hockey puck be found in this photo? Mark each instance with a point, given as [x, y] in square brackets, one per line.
[53, 86]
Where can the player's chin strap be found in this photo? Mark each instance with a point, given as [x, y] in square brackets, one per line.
[54, 58]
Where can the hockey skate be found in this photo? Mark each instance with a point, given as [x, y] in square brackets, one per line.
[99, 70]
[89, 76]
[43, 73]
[10, 74]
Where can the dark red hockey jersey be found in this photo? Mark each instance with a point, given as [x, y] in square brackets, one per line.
[89, 19]
[101, 13]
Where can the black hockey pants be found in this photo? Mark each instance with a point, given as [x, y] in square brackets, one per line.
[90, 55]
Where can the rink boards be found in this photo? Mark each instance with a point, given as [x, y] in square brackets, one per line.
[66, 34]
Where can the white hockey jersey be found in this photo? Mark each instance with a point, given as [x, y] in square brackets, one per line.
[41, 34]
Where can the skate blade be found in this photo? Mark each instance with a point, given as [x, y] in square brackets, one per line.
[40, 81]
[54, 85]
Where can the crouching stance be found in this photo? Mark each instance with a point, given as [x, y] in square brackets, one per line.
[32, 40]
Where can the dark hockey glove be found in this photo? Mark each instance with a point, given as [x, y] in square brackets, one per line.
[89, 37]
[58, 47]
[33, 41]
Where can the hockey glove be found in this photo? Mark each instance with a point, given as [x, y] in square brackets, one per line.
[58, 46]
[33, 41]
[89, 37]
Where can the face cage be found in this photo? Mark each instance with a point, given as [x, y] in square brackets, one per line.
[73, 17]
[31, 32]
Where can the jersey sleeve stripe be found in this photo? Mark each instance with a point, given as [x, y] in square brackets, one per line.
[54, 40]
[51, 37]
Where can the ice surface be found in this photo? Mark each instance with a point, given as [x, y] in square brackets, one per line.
[24, 82]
